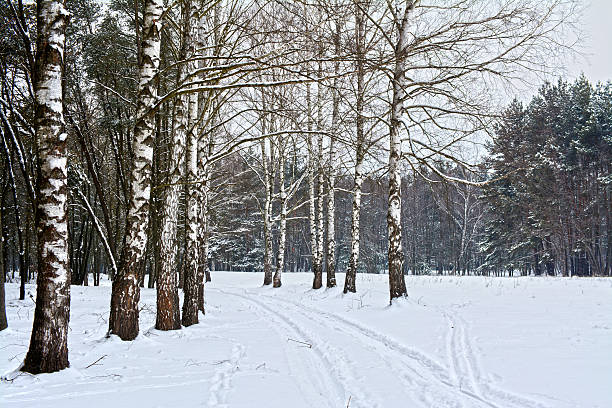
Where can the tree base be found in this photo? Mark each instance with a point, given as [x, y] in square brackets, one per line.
[349, 283]
[124, 313]
[47, 361]
[168, 313]
[201, 298]
[317, 282]
[267, 279]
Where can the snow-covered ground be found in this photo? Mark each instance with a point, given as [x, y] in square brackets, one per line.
[456, 342]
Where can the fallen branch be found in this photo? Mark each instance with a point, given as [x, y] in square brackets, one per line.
[95, 362]
[301, 342]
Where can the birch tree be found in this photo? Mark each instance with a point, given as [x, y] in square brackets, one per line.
[3, 269]
[3, 321]
[192, 285]
[168, 313]
[267, 157]
[205, 148]
[397, 285]
[360, 147]
[123, 320]
[313, 171]
[320, 229]
[48, 351]
[332, 160]
[282, 193]
[436, 93]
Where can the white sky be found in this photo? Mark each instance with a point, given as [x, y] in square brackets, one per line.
[597, 26]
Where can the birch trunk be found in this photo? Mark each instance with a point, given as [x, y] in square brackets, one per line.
[3, 321]
[312, 220]
[312, 199]
[192, 279]
[320, 179]
[331, 176]
[203, 264]
[331, 218]
[320, 224]
[205, 149]
[191, 288]
[202, 223]
[267, 212]
[268, 173]
[397, 284]
[168, 306]
[203, 268]
[157, 203]
[351, 273]
[123, 320]
[48, 351]
[282, 239]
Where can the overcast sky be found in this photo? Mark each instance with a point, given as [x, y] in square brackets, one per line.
[598, 45]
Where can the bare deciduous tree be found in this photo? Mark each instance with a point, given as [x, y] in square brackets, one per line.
[48, 351]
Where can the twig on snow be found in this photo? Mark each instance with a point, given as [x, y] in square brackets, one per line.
[301, 342]
[95, 362]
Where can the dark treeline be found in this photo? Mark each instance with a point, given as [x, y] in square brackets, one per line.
[551, 213]
[432, 217]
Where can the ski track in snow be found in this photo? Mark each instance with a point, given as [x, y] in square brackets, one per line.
[420, 385]
[429, 382]
[330, 363]
[468, 372]
[410, 378]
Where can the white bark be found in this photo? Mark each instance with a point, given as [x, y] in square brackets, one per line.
[48, 351]
[312, 198]
[123, 319]
[205, 147]
[351, 274]
[168, 314]
[282, 239]
[397, 285]
[190, 303]
[267, 156]
[331, 167]
[320, 175]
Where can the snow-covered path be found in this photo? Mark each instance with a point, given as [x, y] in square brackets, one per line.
[457, 342]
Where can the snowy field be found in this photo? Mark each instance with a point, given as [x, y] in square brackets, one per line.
[456, 342]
